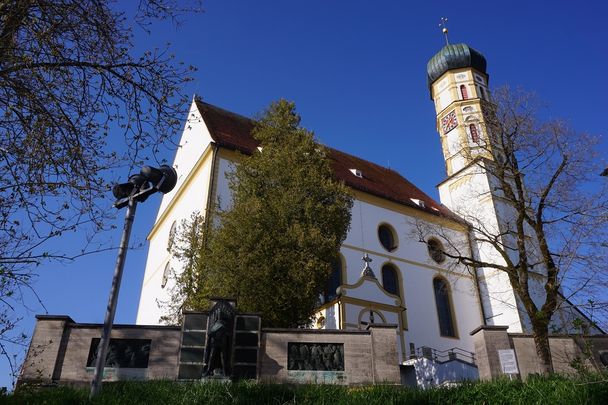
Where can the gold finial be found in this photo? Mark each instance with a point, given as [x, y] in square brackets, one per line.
[444, 28]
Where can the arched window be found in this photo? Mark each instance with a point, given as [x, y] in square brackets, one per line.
[334, 281]
[474, 134]
[444, 307]
[463, 92]
[390, 280]
[165, 279]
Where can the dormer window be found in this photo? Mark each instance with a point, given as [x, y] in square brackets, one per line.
[418, 202]
[357, 172]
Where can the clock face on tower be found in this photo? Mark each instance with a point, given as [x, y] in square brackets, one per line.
[449, 122]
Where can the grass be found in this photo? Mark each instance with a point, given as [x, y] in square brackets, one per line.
[591, 389]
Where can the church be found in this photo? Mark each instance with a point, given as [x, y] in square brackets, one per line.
[397, 309]
[401, 280]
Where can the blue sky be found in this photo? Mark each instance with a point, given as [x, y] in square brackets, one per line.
[356, 70]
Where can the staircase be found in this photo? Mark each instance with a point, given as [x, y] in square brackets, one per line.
[428, 367]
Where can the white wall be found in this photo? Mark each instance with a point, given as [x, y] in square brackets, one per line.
[182, 202]
[417, 270]
[468, 194]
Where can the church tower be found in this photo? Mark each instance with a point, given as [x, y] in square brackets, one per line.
[458, 84]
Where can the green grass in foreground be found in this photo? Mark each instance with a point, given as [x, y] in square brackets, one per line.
[591, 389]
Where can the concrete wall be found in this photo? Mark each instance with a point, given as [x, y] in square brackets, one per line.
[564, 351]
[60, 348]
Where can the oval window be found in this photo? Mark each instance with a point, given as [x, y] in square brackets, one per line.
[387, 237]
[435, 250]
[172, 235]
[165, 279]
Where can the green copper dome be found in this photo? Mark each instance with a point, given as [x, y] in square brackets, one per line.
[454, 56]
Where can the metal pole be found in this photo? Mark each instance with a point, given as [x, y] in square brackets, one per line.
[102, 349]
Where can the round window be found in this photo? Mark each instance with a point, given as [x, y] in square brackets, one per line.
[387, 237]
[435, 250]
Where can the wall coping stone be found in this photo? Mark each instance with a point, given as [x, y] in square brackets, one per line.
[54, 318]
[488, 327]
[124, 326]
[317, 331]
[382, 326]
[557, 336]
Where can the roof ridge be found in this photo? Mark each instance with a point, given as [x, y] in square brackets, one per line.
[320, 143]
[233, 131]
[240, 116]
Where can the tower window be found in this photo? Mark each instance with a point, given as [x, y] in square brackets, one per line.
[334, 281]
[390, 280]
[474, 133]
[444, 307]
[387, 237]
[463, 92]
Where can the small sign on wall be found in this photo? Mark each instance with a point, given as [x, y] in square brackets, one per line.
[508, 362]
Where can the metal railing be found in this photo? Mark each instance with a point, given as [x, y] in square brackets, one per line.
[442, 356]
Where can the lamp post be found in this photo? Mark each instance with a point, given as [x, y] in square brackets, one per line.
[137, 189]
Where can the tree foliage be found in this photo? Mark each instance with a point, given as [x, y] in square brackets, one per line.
[552, 207]
[75, 102]
[272, 250]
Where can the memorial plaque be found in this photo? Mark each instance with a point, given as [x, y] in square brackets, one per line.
[246, 339]
[192, 350]
[246, 346]
[315, 356]
[245, 371]
[122, 353]
[195, 322]
[190, 371]
[251, 323]
[246, 355]
[192, 355]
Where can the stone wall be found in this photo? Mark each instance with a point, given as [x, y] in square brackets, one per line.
[565, 351]
[60, 349]
[370, 357]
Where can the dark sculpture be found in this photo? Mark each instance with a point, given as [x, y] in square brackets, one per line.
[315, 356]
[219, 340]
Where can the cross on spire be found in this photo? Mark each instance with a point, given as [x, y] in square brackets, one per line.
[444, 28]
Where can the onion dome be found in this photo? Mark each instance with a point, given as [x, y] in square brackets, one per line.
[454, 56]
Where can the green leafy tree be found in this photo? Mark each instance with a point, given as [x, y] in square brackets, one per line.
[272, 250]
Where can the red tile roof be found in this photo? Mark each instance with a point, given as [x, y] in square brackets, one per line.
[233, 131]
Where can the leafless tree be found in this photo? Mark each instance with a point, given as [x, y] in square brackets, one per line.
[75, 103]
[552, 207]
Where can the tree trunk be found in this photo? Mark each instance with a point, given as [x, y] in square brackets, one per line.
[541, 341]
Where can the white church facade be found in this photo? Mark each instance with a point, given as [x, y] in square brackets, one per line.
[402, 281]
